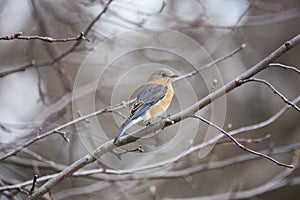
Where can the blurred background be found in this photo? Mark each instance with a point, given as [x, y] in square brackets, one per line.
[40, 99]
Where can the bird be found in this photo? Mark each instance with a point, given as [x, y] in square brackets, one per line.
[153, 100]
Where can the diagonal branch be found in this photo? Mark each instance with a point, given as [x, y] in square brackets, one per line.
[218, 60]
[58, 130]
[67, 99]
[244, 140]
[285, 67]
[244, 148]
[273, 89]
[108, 146]
[216, 138]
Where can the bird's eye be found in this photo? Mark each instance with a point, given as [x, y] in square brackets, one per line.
[163, 74]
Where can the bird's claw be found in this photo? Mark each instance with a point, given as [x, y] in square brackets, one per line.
[167, 121]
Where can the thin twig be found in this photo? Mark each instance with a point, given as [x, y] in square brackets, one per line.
[63, 135]
[33, 183]
[19, 36]
[284, 67]
[58, 130]
[218, 60]
[239, 144]
[62, 55]
[244, 140]
[138, 149]
[273, 89]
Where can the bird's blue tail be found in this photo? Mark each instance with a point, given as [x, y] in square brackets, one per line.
[131, 121]
[127, 124]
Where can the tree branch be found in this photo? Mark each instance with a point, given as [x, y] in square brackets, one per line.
[108, 146]
[244, 140]
[67, 99]
[59, 128]
[216, 138]
[62, 55]
[19, 36]
[218, 60]
[244, 148]
[285, 67]
[111, 175]
[273, 89]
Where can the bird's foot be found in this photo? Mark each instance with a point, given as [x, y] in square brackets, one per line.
[167, 121]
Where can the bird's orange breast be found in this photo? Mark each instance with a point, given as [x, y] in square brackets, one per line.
[161, 106]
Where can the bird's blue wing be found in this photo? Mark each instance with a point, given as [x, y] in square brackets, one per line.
[149, 96]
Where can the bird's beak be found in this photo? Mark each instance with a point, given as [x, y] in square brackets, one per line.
[173, 76]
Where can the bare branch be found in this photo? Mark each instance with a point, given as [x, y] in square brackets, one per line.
[273, 89]
[244, 140]
[111, 175]
[284, 67]
[239, 144]
[218, 60]
[33, 183]
[63, 135]
[58, 129]
[62, 55]
[19, 36]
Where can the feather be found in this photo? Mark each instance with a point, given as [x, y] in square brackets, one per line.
[149, 96]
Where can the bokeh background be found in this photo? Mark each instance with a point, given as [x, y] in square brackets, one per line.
[40, 99]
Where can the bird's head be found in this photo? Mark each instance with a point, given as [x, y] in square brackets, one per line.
[162, 76]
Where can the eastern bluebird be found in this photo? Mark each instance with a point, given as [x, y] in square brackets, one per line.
[152, 101]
